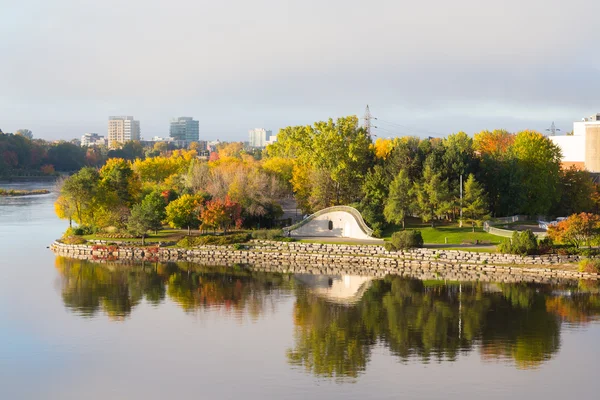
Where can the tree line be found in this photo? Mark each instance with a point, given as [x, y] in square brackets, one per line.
[326, 164]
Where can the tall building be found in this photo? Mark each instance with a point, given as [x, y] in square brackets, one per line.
[185, 129]
[259, 137]
[122, 129]
[582, 148]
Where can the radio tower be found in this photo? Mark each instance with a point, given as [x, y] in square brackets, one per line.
[367, 120]
[553, 129]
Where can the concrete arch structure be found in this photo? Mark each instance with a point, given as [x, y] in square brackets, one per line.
[337, 222]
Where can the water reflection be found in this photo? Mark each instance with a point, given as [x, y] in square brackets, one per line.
[338, 321]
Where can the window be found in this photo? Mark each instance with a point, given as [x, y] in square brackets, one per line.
[330, 225]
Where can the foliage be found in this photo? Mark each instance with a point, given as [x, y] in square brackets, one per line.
[407, 239]
[210, 240]
[540, 158]
[267, 234]
[400, 200]
[522, 243]
[591, 266]
[431, 195]
[184, 212]
[576, 230]
[474, 202]
[221, 214]
[73, 240]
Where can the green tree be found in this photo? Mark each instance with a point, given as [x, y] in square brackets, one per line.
[474, 203]
[431, 195]
[539, 160]
[375, 188]
[400, 200]
[140, 221]
[79, 192]
[577, 190]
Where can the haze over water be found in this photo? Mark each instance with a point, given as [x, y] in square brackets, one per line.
[79, 330]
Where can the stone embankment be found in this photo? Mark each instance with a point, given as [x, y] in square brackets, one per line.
[335, 259]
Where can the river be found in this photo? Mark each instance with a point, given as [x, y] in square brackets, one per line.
[78, 330]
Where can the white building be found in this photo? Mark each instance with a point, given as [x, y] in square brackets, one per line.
[122, 129]
[259, 137]
[93, 139]
[338, 222]
[582, 148]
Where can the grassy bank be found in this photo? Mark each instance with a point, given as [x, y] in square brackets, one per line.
[447, 234]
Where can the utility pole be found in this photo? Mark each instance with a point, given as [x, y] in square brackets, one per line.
[460, 223]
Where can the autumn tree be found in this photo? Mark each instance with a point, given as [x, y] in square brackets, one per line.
[221, 214]
[474, 205]
[79, 192]
[400, 200]
[184, 212]
[576, 230]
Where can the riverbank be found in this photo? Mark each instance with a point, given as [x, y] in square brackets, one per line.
[334, 259]
[16, 192]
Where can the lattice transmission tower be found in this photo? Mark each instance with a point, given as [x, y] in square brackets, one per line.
[367, 120]
[553, 129]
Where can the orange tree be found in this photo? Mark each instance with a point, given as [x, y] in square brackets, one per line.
[576, 230]
[221, 214]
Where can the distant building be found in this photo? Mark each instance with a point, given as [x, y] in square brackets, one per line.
[92, 139]
[582, 148]
[122, 129]
[185, 129]
[259, 137]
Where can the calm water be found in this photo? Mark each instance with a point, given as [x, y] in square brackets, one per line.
[78, 330]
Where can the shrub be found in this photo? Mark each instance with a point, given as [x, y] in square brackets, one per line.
[389, 247]
[589, 265]
[82, 230]
[376, 233]
[407, 240]
[524, 243]
[238, 246]
[545, 246]
[267, 234]
[193, 241]
[73, 240]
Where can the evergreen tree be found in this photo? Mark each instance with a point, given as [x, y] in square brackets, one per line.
[474, 203]
[400, 199]
[431, 195]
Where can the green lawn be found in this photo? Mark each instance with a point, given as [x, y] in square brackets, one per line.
[451, 232]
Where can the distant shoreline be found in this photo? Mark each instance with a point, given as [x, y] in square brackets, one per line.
[18, 193]
[31, 179]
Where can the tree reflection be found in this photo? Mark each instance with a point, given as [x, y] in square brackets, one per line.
[88, 288]
[434, 321]
[428, 321]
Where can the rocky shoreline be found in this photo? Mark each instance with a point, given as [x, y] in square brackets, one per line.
[337, 259]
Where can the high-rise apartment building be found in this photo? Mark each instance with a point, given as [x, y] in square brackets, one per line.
[259, 137]
[122, 129]
[185, 129]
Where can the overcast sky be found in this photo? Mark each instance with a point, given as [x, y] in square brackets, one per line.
[424, 67]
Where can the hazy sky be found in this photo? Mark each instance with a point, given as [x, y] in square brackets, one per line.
[423, 66]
